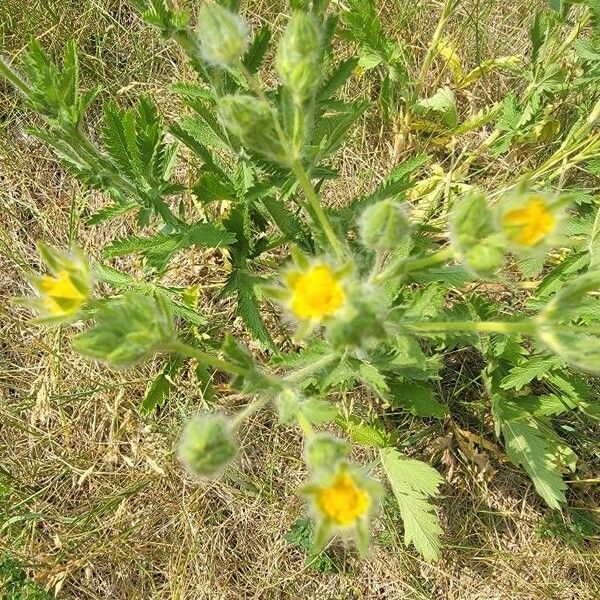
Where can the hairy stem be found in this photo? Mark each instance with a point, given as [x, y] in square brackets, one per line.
[525, 326]
[415, 264]
[315, 205]
[205, 358]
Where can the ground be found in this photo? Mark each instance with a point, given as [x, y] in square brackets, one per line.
[93, 502]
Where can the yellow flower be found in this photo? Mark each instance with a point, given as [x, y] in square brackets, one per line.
[343, 502]
[531, 224]
[61, 293]
[60, 296]
[342, 498]
[316, 293]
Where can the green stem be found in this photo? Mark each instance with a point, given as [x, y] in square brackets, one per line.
[506, 327]
[302, 374]
[250, 409]
[305, 425]
[415, 264]
[315, 205]
[205, 358]
[433, 46]
[298, 169]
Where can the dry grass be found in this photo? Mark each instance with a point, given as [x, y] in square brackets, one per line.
[92, 499]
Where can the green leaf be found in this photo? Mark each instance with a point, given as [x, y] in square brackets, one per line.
[416, 398]
[526, 446]
[160, 247]
[318, 411]
[364, 434]
[442, 105]
[414, 483]
[336, 79]
[546, 406]
[287, 223]
[258, 48]
[374, 378]
[242, 283]
[159, 388]
[533, 368]
[198, 129]
[118, 135]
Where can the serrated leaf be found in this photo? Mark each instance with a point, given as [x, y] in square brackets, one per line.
[546, 406]
[441, 105]
[527, 447]
[416, 398]
[111, 211]
[287, 223]
[533, 368]
[242, 282]
[159, 388]
[336, 79]
[414, 483]
[594, 242]
[375, 379]
[364, 434]
[258, 48]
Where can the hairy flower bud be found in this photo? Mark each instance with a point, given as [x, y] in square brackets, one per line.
[253, 121]
[475, 237]
[384, 225]
[128, 330]
[223, 35]
[207, 445]
[325, 452]
[299, 56]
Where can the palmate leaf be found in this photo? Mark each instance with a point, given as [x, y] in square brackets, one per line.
[413, 483]
[330, 130]
[118, 133]
[110, 211]
[441, 106]
[525, 446]
[123, 281]
[336, 79]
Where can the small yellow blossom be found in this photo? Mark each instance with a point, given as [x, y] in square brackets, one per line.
[342, 498]
[60, 296]
[531, 224]
[64, 290]
[315, 294]
[343, 502]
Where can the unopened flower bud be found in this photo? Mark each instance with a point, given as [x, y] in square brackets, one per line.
[207, 445]
[299, 56]
[223, 35]
[384, 225]
[253, 121]
[325, 452]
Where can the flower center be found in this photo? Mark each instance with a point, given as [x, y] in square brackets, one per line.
[317, 293]
[343, 502]
[532, 223]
